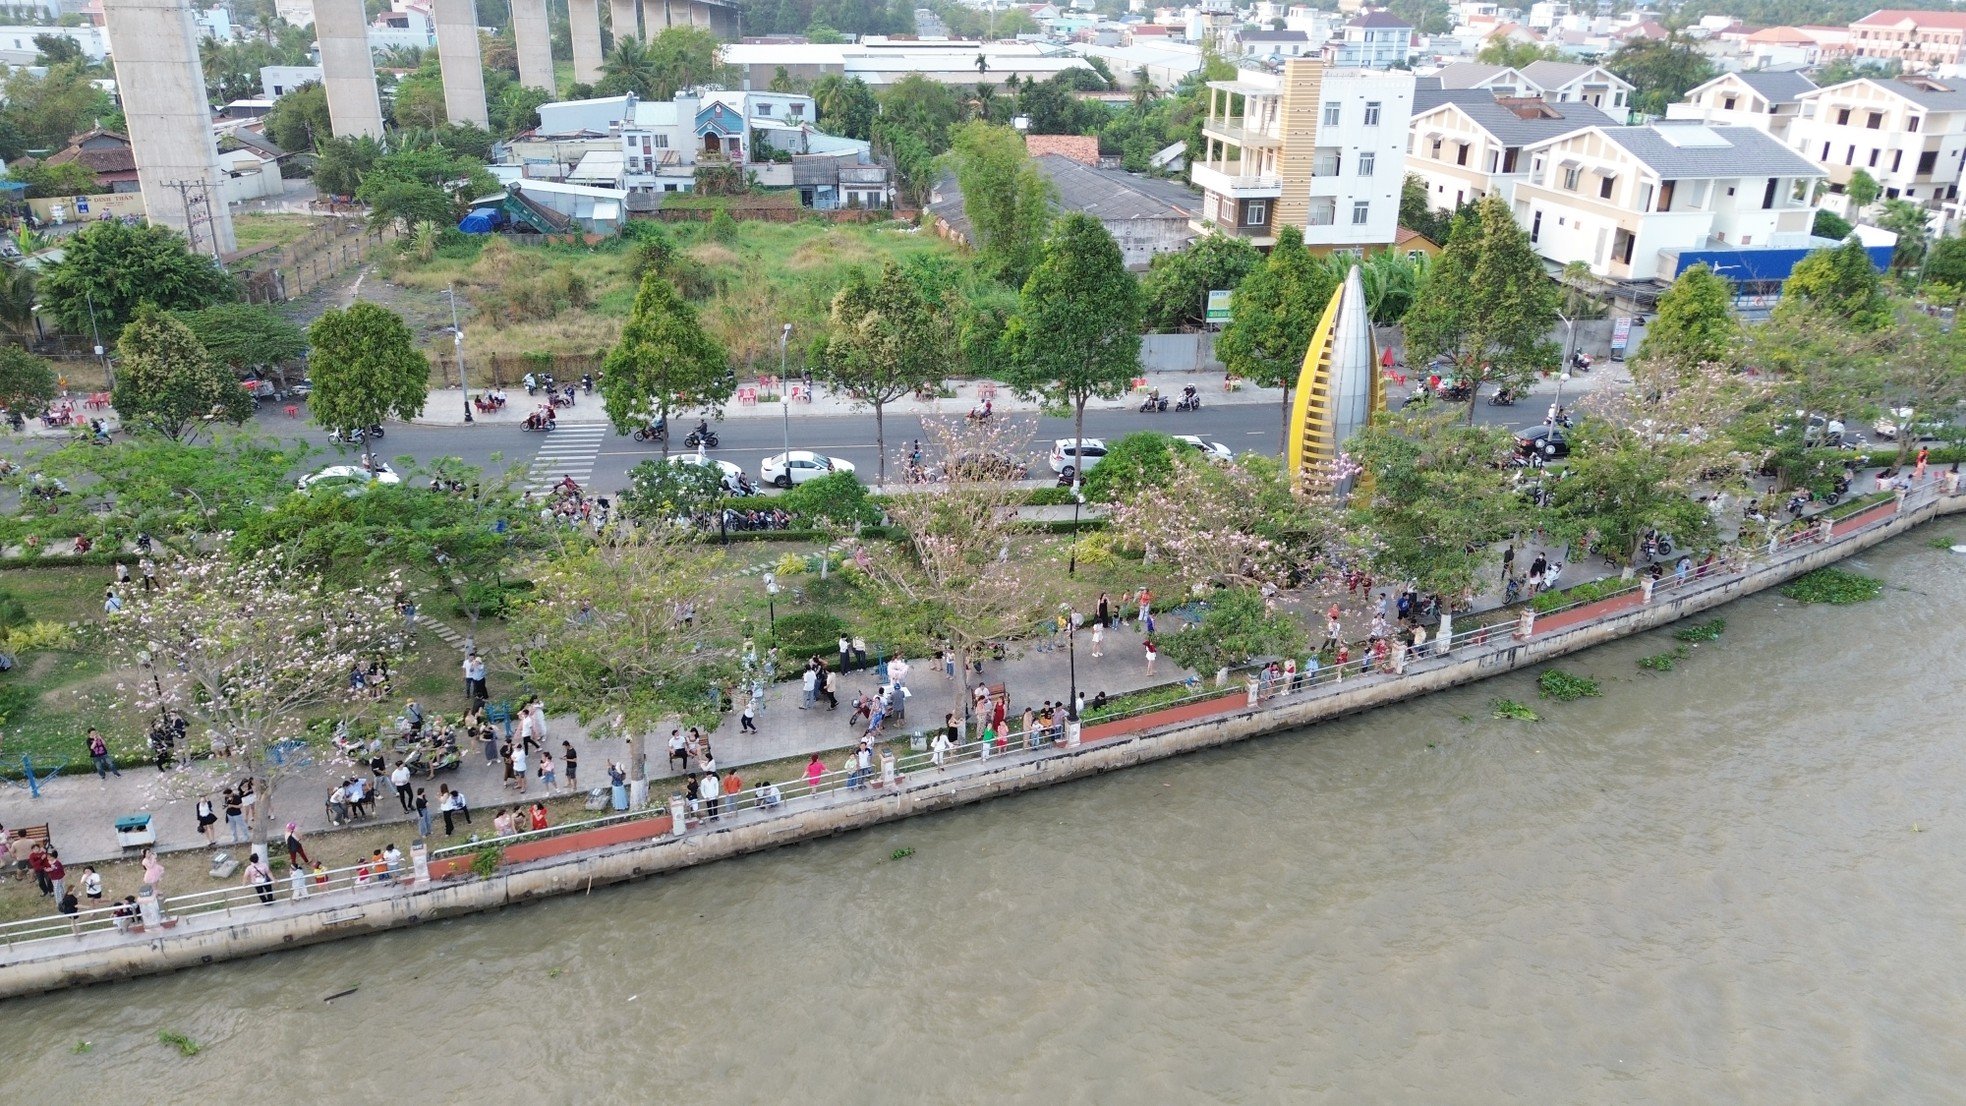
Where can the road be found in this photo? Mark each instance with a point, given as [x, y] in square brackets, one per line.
[598, 458]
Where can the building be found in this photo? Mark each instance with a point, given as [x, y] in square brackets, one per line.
[1145, 215]
[106, 154]
[17, 43]
[276, 81]
[881, 61]
[1769, 101]
[1909, 133]
[1374, 40]
[1557, 81]
[1314, 147]
[1470, 144]
[1919, 40]
[1639, 204]
[1275, 45]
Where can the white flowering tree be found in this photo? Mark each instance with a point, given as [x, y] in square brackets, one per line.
[248, 652]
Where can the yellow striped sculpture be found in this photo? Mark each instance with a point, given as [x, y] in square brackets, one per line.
[1337, 391]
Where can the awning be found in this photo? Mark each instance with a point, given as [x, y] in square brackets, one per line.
[1608, 174]
[1569, 163]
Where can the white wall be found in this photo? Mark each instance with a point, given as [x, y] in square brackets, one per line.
[1352, 91]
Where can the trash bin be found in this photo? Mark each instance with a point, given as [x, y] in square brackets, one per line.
[133, 831]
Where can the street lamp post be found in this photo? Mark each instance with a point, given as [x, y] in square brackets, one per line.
[40, 335]
[1569, 338]
[108, 371]
[1550, 419]
[785, 390]
[771, 603]
[457, 344]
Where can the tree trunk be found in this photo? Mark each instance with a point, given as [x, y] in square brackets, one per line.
[1078, 441]
[880, 439]
[637, 765]
[1283, 440]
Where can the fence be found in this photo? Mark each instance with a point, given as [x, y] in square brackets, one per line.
[498, 370]
[1247, 686]
[313, 259]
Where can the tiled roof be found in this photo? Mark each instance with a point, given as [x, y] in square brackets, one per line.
[1082, 148]
[1467, 74]
[1105, 194]
[1933, 95]
[1379, 19]
[1781, 87]
[1554, 74]
[1678, 150]
[1510, 128]
[1891, 17]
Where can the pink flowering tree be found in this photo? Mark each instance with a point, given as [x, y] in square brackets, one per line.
[1228, 525]
[960, 563]
[248, 652]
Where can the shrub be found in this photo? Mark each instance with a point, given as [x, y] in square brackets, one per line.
[1833, 586]
[723, 228]
[1582, 593]
[838, 498]
[1135, 461]
[807, 633]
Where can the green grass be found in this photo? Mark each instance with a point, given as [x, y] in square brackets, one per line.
[272, 228]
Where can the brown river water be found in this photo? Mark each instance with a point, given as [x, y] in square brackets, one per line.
[1739, 881]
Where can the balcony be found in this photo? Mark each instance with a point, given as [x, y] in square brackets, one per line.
[1233, 131]
[1224, 178]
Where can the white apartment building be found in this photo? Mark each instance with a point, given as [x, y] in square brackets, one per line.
[1466, 144]
[1643, 203]
[1374, 40]
[1320, 148]
[1765, 101]
[1559, 82]
[1909, 133]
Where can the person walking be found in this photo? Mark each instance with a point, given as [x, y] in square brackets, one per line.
[259, 877]
[207, 818]
[297, 883]
[547, 777]
[570, 760]
[815, 771]
[810, 682]
[99, 754]
[296, 852]
[400, 779]
[830, 687]
[747, 722]
[1153, 654]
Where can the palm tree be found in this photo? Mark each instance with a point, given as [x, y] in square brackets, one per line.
[985, 99]
[982, 65]
[631, 67]
[17, 299]
[1143, 89]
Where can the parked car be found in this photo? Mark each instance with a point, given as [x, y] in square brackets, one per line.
[1545, 441]
[1214, 451]
[1899, 419]
[799, 466]
[1070, 455]
[735, 482]
[353, 479]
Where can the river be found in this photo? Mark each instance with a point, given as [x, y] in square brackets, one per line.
[1734, 882]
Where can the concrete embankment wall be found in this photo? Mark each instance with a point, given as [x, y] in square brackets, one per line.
[646, 849]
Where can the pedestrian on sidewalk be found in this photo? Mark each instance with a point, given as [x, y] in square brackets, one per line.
[830, 685]
[57, 875]
[474, 679]
[710, 790]
[519, 768]
[259, 877]
[92, 885]
[859, 652]
[296, 852]
[810, 683]
[814, 771]
[945, 740]
[546, 774]
[207, 818]
[846, 652]
[422, 805]
[490, 738]
[400, 779]
[748, 721]
[570, 760]
[1153, 654]
[99, 753]
[235, 818]
[1098, 638]
[446, 806]
[297, 883]
[1105, 610]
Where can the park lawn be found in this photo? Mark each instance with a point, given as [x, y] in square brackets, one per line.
[52, 697]
[272, 228]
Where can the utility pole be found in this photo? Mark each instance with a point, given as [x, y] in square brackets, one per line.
[457, 344]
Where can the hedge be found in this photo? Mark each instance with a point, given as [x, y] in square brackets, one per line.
[1582, 593]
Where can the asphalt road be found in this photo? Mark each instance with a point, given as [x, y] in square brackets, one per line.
[602, 460]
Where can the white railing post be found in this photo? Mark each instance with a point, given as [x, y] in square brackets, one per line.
[1444, 640]
[678, 815]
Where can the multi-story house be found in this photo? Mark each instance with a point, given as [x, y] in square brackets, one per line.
[1909, 133]
[1374, 40]
[1560, 82]
[1310, 146]
[1920, 40]
[1466, 144]
[1641, 204]
[1769, 101]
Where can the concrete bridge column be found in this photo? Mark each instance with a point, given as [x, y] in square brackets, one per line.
[585, 17]
[535, 45]
[625, 24]
[170, 123]
[463, 65]
[347, 68]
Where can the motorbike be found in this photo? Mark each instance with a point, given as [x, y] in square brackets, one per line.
[1657, 544]
[587, 383]
[980, 414]
[356, 436]
[541, 420]
[705, 438]
[653, 432]
[1190, 400]
[1154, 402]
[1581, 362]
[1502, 398]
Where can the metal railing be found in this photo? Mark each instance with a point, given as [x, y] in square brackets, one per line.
[837, 784]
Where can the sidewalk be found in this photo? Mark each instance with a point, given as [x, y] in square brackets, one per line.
[445, 406]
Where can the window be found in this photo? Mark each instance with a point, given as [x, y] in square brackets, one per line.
[1361, 211]
[1768, 194]
[1825, 156]
[1604, 187]
[1436, 149]
[1571, 175]
[798, 110]
[761, 109]
[1873, 158]
[1911, 124]
[1372, 113]
[1461, 154]
[1876, 120]
[1842, 117]
[1366, 161]
[1536, 227]
[1897, 159]
[1332, 114]
[1256, 213]
[1727, 103]
[1928, 161]
[661, 141]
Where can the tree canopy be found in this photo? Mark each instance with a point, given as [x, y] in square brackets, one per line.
[1837, 284]
[663, 363]
[167, 384]
[1695, 323]
[108, 268]
[1177, 284]
[1486, 303]
[365, 368]
[1007, 200]
[1076, 333]
[888, 337]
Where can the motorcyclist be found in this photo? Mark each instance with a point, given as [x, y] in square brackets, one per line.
[532, 384]
[702, 430]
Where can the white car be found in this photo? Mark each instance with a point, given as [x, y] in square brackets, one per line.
[354, 478]
[1069, 456]
[799, 466]
[735, 482]
[1214, 451]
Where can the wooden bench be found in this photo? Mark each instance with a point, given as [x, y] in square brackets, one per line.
[37, 834]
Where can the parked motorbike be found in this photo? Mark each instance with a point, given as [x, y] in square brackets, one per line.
[356, 436]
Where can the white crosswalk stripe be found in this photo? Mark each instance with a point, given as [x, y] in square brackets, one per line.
[568, 451]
